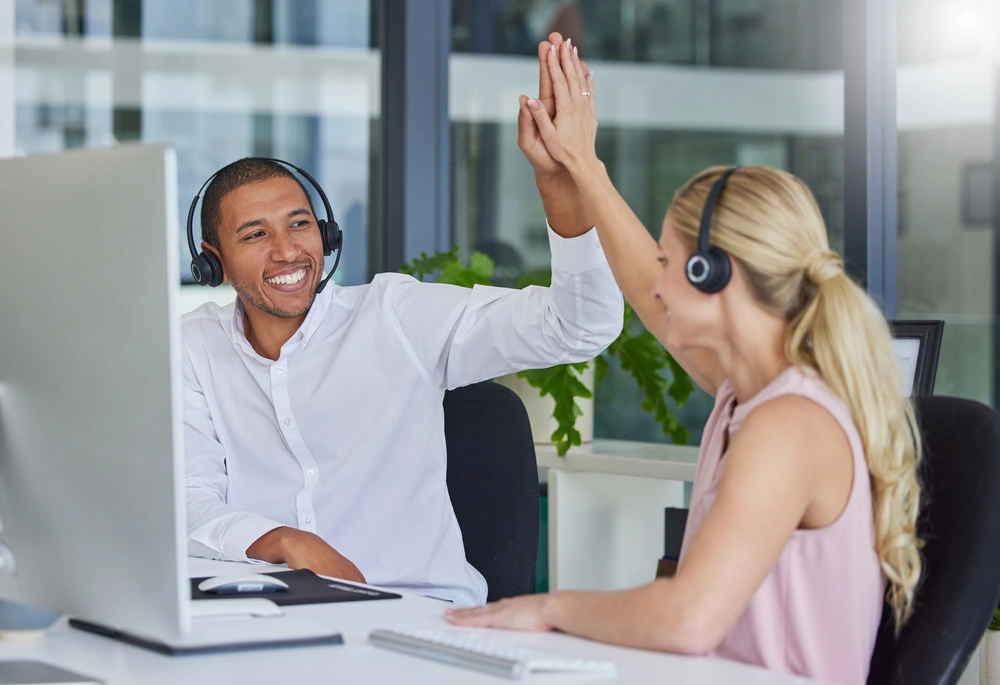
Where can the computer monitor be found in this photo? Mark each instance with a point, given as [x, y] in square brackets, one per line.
[92, 515]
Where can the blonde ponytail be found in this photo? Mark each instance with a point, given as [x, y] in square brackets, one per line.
[843, 334]
[769, 221]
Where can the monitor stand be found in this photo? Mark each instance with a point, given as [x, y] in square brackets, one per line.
[39, 673]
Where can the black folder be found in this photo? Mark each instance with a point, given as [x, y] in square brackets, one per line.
[304, 587]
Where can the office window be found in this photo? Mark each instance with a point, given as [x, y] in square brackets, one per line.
[948, 81]
[683, 84]
[293, 79]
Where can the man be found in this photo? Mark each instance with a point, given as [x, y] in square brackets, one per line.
[313, 423]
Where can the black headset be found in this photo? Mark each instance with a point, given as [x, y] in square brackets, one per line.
[206, 267]
[709, 268]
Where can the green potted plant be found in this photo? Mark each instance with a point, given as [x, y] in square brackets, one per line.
[656, 373]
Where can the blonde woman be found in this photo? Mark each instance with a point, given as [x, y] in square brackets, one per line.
[806, 495]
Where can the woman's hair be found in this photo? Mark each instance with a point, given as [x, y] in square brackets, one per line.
[769, 222]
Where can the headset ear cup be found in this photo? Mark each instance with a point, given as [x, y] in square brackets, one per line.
[207, 269]
[324, 235]
[720, 272]
[697, 269]
[330, 233]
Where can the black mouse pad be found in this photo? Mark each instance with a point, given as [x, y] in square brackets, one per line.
[304, 587]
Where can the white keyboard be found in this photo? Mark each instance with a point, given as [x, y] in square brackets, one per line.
[476, 651]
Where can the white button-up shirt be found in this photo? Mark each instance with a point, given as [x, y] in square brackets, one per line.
[343, 435]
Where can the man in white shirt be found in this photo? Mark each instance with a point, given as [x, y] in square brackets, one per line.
[314, 427]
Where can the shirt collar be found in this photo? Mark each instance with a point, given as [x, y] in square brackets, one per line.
[317, 312]
[305, 332]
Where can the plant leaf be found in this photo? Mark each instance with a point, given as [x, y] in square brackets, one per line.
[600, 369]
[534, 278]
[423, 266]
[449, 269]
[482, 267]
[642, 356]
[563, 384]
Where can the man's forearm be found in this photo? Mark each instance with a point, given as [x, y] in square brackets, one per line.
[564, 208]
[301, 549]
[270, 546]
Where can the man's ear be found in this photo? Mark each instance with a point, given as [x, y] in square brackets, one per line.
[205, 247]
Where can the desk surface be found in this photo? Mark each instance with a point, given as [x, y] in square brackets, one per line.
[357, 661]
[624, 458]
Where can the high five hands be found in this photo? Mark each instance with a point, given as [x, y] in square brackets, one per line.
[557, 130]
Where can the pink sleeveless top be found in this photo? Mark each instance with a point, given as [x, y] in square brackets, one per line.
[817, 612]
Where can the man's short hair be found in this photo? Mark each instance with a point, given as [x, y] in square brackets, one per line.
[232, 176]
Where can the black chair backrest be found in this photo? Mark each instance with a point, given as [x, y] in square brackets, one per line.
[960, 523]
[493, 483]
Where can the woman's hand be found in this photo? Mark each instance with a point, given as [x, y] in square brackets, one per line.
[569, 137]
[528, 138]
[564, 208]
[519, 613]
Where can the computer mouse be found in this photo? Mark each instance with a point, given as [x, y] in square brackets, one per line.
[245, 583]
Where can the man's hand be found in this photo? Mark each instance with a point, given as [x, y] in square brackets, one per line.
[301, 549]
[563, 205]
[528, 138]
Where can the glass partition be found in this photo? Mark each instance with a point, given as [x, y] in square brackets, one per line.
[681, 85]
[948, 81]
[293, 79]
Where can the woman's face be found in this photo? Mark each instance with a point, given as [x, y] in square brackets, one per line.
[690, 313]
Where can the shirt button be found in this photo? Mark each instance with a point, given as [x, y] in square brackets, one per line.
[288, 422]
[310, 473]
[279, 370]
[308, 519]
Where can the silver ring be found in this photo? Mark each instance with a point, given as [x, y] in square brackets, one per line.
[584, 92]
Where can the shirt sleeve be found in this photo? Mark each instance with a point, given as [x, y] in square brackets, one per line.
[461, 336]
[216, 530]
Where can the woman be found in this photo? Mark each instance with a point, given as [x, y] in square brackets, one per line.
[806, 495]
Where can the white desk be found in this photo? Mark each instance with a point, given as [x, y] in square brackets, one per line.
[624, 458]
[358, 662]
[606, 501]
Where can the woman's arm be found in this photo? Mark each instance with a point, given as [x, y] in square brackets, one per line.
[778, 462]
[631, 251]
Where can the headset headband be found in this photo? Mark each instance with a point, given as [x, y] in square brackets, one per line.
[706, 213]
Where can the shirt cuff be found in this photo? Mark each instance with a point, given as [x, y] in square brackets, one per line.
[244, 532]
[576, 255]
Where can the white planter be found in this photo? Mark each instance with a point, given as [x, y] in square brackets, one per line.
[540, 408]
[989, 658]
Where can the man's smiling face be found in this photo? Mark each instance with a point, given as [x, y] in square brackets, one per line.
[271, 248]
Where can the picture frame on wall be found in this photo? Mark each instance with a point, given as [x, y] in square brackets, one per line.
[917, 345]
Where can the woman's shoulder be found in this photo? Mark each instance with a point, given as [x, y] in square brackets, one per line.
[794, 413]
[801, 407]
[797, 386]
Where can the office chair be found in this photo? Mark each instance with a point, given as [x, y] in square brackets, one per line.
[960, 523]
[493, 482]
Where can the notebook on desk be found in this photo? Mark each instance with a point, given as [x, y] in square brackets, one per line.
[304, 587]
